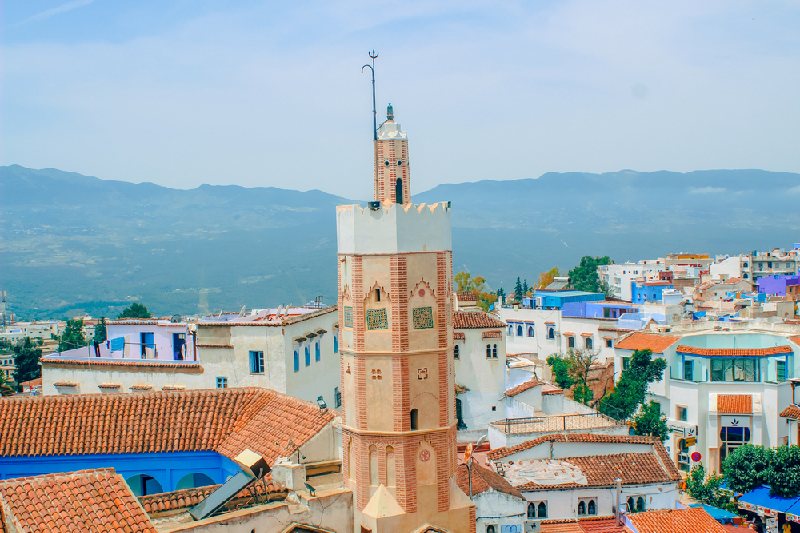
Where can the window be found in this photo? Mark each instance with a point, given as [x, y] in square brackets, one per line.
[336, 344]
[494, 352]
[581, 508]
[296, 361]
[571, 341]
[537, 509]
[530, 331]
[735, 434]
[519, 330]
[626, 363]
[337, 398]
[455, 351]
[680, 413]
[378, 295]
[491, 528]
[542, 509]
[780, 370]
[738, 369]
[414, 419]
[308, 356]
[488, 351]
[688, 370]
[591, 508]
[640, 503]
[609, 343]
[316, 351]
[222, 383]
[256, 362]
[683, 456]
[589, 343]
[551, 332]
[510, 330]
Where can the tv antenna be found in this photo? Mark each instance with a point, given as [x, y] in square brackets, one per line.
[373, 55]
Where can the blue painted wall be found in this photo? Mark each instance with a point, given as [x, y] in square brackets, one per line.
[167, 468]
[647, 293]
[557, 299]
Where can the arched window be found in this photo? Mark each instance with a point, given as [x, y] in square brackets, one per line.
[640, 503]
[532, 510]
[296, 361]
[588, 343]
[455, 351]
[142, 485]
[510, 330]
[542, 510]
[191, 481]
[316, 351]
[494, 352]
[581, 508]
[551, 333]
[591, 509]
[308, 356]
[335, 344]
[530, 331]
[519, 330]
[488, 351]
[631, 504]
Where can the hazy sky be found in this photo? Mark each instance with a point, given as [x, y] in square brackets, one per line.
[185, 92]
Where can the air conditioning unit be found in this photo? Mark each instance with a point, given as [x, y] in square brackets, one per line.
[533, 526]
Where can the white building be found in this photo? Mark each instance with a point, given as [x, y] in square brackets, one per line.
[737, 266]
[499, 506]
[572, 476]
[479, 353]
[292, 350]
[724, 386]
[619, 277]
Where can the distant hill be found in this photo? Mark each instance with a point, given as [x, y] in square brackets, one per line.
[74, 243]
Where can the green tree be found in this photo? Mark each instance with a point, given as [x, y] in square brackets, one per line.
[706, 489]
[747, 468]
[584, 276]
[561, 371]
[525, 287]
[629, 393]
[784, 472]
[73, 336]
[650, 422]
[546, 278]
[5, 388]
[100, 330]
[580, 363]
[518, 294]
[477, 285]
[136, 310]
[26, 359]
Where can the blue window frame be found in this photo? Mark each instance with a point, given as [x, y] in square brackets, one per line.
[256, 362]
[335, 344]
[296, 361]
[530, 331]
[308, 356]
[316, 351]
[222, 383]
[519, 331]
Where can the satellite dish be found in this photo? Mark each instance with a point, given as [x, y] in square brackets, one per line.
[176, 318]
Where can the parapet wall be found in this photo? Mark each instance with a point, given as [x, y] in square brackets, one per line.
[393, 228]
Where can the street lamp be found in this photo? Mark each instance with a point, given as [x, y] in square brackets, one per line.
[469, 462]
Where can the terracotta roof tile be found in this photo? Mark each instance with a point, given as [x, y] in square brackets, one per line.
[641, 341]
[223, 420]
[66, 383]
[459, 335]
[492, 335]
[32, 383]
[467, 297]
[513, 391]
[89, 500]
[110, 385]
[483, 479]
[690, 520]
[122, 362]
[179, 499]
[734, 404]
[738, 352]
[475, 320]
[793, 411]
[795, 340]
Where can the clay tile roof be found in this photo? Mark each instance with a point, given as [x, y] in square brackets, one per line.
[492, 335]
[689, 520]
[53, 360]
[475, 320]
[642, 341]
[32, 383]
[223, 420]
[179, 499]
[66, 383]
[142, 386]
[513, 391]
[795, 340]
[88, 500]
[734, 352]
[459, 335]
[734, 404]
[483, 479]
[173, 387]
[586, 334]
[793, 411]
[467, 297]
[547, 388]
[568, 334]
[110, 385]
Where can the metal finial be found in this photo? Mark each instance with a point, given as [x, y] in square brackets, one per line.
[373, 55]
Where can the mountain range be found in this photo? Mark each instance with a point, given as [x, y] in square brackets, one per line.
[73, 244]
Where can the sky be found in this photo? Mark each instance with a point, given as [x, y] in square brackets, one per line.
[186, 92]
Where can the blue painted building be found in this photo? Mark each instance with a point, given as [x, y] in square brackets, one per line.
[591, 309]
[160, 441]
[648, 291]
[544, 299]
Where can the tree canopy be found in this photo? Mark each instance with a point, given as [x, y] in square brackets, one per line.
[477, 285]
[747, 467]
[136, 310]
[629, 392]
[584, 276]
[784, 472]
[650, 422]
[26, 359]
[560, 368]
[73, 336]
[546, 278]
[100, 330]
[572, 371]
[706, 489]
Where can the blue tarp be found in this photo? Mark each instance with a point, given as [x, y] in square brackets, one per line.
[761, 498]
[118, 344]
[720, 515]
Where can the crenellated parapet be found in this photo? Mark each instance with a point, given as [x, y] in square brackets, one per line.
[393, 228]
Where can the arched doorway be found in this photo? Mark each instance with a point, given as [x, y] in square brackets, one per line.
[193, 480]
[142, 485]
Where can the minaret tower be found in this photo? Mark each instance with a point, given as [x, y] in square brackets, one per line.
[396, 340]
[392, 172]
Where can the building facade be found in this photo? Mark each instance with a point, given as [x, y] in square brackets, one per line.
[619, 276]
[397, 374]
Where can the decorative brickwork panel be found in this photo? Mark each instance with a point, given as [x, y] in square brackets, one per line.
[399, 286]
[348, 317]
[422, 317]
[377, 319]
[400, 394]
